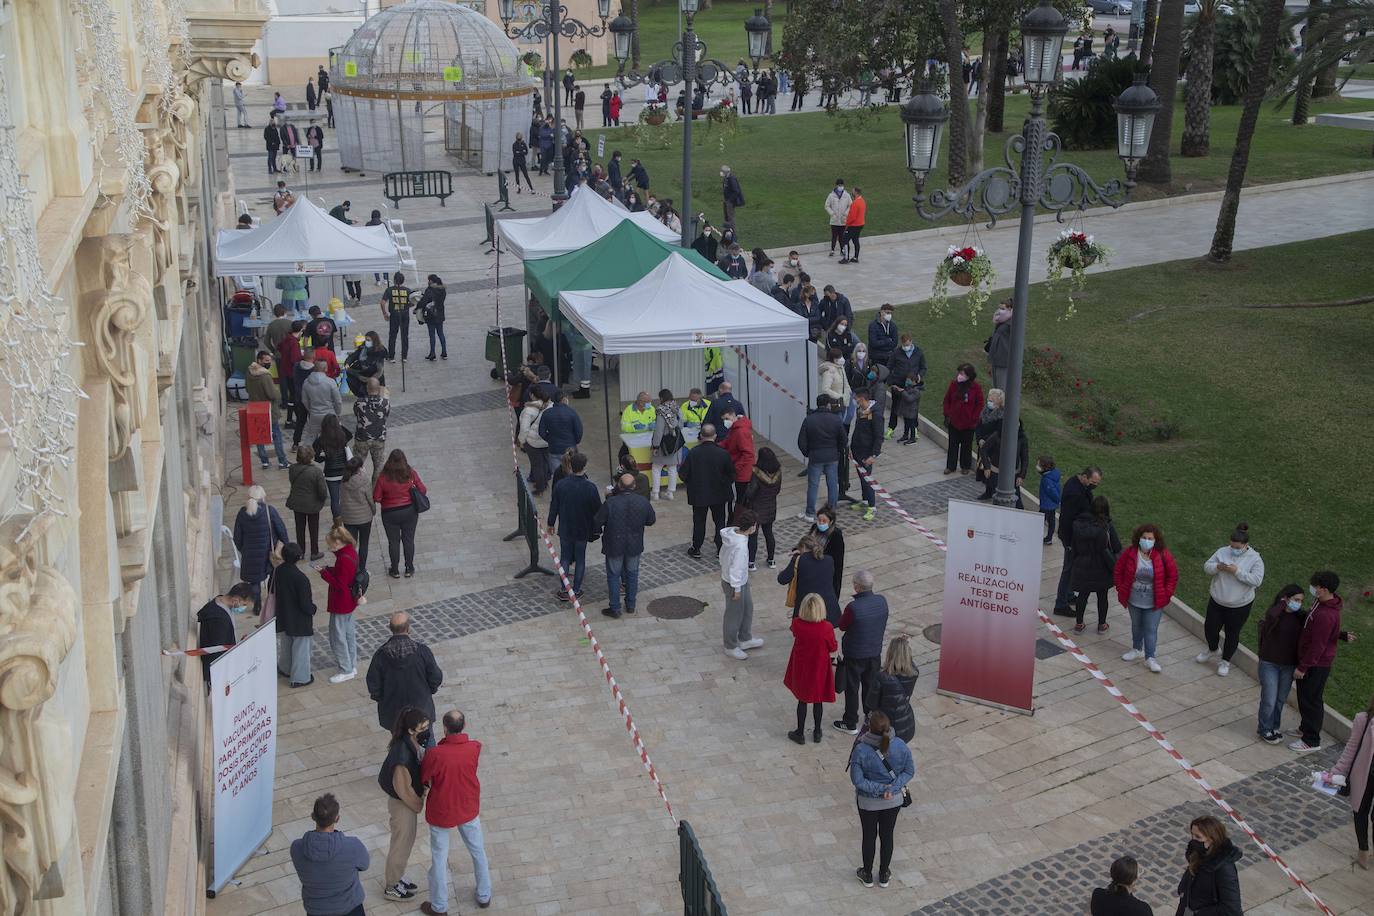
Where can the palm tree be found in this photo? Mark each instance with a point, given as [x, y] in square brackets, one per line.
[1197, 107]
[1271, 18]
[768, 14]
[1147, 27]
[634, 38]
[996, 87]
[1168, 49]
[1333, 35]
[1302, 92]
[958, 94]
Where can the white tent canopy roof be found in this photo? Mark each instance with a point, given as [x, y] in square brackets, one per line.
[305, 240]
[677, 306]
[586, 217]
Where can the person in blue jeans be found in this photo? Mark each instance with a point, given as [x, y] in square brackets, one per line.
[822, 440]
[621, 520]
[1279, 632]
[573, 509]
[454, 800]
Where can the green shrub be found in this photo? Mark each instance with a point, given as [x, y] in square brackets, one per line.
[1237, 37]
[1081, 111]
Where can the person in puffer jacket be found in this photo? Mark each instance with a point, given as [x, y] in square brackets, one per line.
[532, 443]
[320, 396]
[833, 380]
[328, 863]
[879, 769]
[737, 623]
[892, 687]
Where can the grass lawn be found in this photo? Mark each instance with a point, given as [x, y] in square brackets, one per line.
[721, 27]
[787, 164]
[1362, 72]
[1266, 436]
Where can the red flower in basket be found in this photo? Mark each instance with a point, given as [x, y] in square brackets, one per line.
[968, 254]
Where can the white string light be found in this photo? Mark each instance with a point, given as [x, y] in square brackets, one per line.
[37, 390]
[153, 36]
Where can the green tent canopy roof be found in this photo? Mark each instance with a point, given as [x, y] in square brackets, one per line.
[618, 259]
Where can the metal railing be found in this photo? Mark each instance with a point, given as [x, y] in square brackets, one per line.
[398, 186]
[700, 896]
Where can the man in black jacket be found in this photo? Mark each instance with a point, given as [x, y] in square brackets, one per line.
[621, 520]
[573, 508]
[1076, 498]
[834, 305]
[863, 622]
[722, 399]
[403, 673]
[822, 440]
[272, 138]
[709, 475]
[731, 192]
[216, 626]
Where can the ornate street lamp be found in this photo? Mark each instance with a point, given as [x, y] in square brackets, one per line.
[687, 68]
[1041, 181]
[757, 29]
[553, 21]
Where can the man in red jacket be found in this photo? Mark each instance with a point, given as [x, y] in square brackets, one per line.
[739, 445]
[455, 796]
[1316, 654]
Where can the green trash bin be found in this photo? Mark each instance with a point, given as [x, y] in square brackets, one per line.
[512, 339]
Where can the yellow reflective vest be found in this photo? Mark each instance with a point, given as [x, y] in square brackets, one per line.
[634, 420]
[694, 416]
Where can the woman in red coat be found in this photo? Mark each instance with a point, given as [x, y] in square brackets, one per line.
[809, 674]
[1145, 578]
[343, 638]
[963, 404]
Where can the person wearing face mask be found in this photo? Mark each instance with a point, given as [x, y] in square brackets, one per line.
[638, 417]
[853, 228]
[399, 778]
[731, 193]
[1236, 572]
[1145, 577]
[215, 625]
[865, 447]
[1210, 885]
[834, 381]
[837, 208]
[841, 338]
[720, 400]
[739, 445]
[998, 346]
[1279, 633]
[694, 410]
[1095, 548]
[882, 335]
[906, 362]
[733, 264]
[1075, 497]
[962, 406]
[835, 305]
[1316, 654]
[827, 533]
[865, 373]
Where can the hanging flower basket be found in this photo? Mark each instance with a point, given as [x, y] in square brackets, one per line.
[965, 266]
[654, 114]
[1073, 251]
[580, 59]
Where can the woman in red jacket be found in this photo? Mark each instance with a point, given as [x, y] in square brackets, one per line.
[1145, 577]
[393, 493]
[343, 637]
[809, 675]
[963, 404]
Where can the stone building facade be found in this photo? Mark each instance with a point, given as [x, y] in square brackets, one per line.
[113, 179]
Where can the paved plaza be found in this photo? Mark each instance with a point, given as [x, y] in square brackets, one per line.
[1012, 814]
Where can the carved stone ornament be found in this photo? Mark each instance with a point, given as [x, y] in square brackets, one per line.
[37, 630]
[230, 69]
[165, 177]
[128, 301]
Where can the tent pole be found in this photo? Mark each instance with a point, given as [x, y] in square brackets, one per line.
[744, 371]
[606, 401]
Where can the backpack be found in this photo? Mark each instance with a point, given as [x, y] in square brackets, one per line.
[361, 581]
[671, 441]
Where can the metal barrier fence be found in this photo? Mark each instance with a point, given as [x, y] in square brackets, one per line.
[700, 897]
[399, 186]
[528, 516]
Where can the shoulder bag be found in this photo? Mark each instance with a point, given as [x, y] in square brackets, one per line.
[906, 793]
[418, 499]
[792, 586]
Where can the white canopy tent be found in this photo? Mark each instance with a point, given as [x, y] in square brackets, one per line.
[660, 324]
[305, 240]
[586, 217]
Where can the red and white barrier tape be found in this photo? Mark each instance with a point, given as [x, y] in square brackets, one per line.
[203, 650]
[1078, 654]
[621, 705]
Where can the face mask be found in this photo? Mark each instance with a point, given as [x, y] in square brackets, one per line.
[1147, 543]
[908, 383]
[729, 423]
[839, 361]
[367, 345]
[843, 328]
[908, 350]
[1313, 590]
[1237, 551]
[1295, 604]
[961, 377]
[887, 316]
[822, 527]
[872, 374]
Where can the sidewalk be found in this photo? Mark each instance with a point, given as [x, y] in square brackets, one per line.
[1013, 814]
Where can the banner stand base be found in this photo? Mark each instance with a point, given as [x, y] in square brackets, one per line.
[981, 702]
[210, 891]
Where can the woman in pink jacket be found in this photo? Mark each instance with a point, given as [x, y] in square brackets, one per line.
[1356, 766]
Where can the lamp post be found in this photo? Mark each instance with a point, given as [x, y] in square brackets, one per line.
[553, 20]
[687, 68]
[1039, 182]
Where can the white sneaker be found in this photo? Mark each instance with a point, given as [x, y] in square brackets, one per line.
[343, 676]
[736, 652]
[1154, 665]
[806, 518]
[1132, 655]
[670, 494]
[1223, 669]
[654, 496]
[1302, 747]
[755, 643]
[1205, 656]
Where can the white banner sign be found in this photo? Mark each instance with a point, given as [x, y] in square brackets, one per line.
[600, 146]
[992, 592]
[243, 713]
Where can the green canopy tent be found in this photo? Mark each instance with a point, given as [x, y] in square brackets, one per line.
[618, 259]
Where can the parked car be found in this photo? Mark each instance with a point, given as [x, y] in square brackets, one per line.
[1111, 7]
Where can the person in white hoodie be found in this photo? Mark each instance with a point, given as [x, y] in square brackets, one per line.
[1236, 571]
[533, 445]
[837, 208]
[738, 621]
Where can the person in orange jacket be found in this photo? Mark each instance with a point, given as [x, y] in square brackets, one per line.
[853, 226]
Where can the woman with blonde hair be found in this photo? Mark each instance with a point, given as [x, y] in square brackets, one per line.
[893, 685]
[1210, 884]
[814, 573]
[258, 529]
[809, 674]
[343, 638]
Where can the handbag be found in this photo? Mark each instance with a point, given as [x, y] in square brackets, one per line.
[906, 793]
[839, 674]
[419, 499]
[269, 601]
[792, 586]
